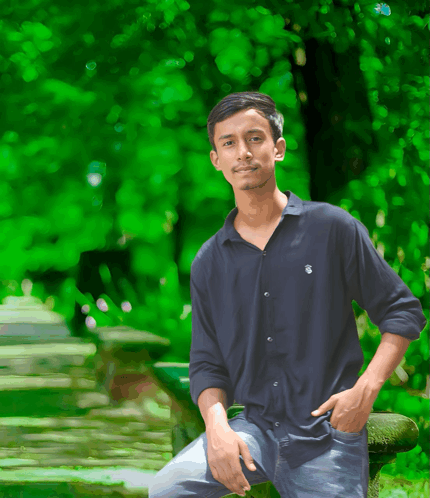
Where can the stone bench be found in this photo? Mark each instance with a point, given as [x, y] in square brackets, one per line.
[388, 433]
[61, 432]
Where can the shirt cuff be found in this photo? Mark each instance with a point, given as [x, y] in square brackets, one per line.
[200, 383]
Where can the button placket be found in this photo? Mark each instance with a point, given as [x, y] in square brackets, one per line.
[270, 339]
[267, 294]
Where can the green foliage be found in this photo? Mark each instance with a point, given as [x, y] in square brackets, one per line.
[104, 145]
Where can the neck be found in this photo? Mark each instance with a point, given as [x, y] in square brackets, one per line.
[256, 210]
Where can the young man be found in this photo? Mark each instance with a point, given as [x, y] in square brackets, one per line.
[273, 329]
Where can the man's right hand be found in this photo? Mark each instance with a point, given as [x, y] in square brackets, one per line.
[224, 448]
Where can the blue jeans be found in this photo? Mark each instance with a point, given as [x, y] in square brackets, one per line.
[341, 472]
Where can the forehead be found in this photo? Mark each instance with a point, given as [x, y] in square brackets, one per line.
[241, 122]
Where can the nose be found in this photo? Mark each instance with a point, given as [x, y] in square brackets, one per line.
[243, 150]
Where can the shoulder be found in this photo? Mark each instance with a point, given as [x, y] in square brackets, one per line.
[324, 212]
[203, 257]
[345, 228]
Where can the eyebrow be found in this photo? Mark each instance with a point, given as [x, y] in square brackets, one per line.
[254, 130]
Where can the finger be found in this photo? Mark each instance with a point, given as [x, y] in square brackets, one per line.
[228, 479]
[240, 480]
[247, 457]
[236, 479]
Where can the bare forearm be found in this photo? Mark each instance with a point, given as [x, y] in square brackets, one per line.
[387, 357]
[212, 403]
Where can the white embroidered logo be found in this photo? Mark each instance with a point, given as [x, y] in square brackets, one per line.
[308, 269]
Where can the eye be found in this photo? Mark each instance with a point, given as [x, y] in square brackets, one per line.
[258, 138]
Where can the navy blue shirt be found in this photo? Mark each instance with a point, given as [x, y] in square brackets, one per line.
[275, 328]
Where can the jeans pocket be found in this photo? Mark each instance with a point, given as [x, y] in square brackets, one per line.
[346, 435]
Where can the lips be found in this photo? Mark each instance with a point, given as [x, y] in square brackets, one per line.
[245, 170]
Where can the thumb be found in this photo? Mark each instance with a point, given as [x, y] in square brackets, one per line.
[247, 458]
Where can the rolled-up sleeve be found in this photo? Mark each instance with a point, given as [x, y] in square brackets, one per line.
[377, 288]
[207, 368]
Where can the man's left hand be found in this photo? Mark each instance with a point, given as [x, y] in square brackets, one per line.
[351, 408]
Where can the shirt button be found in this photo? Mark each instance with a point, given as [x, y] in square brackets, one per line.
[277, 424]
[275, 384]
[264, 253]
[266, 294]
[269, 339]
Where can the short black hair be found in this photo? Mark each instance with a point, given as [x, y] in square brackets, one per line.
[236, 102]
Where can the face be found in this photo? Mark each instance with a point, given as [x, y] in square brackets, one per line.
[243, 149]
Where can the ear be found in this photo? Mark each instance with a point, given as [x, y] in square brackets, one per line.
[280, 148]
[214, 160]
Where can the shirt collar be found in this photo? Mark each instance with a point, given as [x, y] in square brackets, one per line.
[294, 206]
